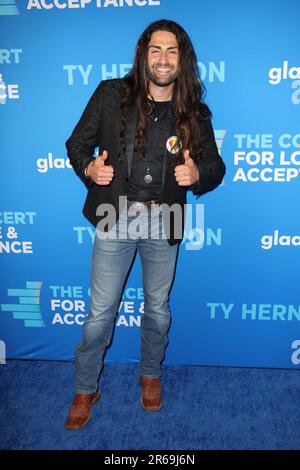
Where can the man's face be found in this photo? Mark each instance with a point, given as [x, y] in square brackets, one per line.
[163, 58]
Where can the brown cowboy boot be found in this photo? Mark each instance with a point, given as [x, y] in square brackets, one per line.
[80, 411]
[151, 399]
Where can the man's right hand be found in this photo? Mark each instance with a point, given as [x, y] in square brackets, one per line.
[99, 172]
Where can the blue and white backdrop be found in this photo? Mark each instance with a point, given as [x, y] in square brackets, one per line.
[235, 300]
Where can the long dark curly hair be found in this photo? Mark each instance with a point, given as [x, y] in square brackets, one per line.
[188, 91]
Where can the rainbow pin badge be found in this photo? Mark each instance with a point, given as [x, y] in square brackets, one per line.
[172, 145]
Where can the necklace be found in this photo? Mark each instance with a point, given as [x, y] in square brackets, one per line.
[148, 177]
[161, 110]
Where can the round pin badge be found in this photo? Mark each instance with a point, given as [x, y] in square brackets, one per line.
[172, 145]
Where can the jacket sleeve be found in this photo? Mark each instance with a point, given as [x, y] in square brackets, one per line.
[84, 138]
[210, 164]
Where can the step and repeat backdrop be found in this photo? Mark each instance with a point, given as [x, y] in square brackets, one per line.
[235, 299]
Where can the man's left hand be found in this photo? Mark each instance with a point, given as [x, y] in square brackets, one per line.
[188, 173]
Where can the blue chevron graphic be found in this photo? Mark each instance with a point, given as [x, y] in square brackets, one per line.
[219, 135]
[8, 7]
[28, 308]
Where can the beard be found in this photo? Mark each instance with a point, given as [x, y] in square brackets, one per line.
[162, 81]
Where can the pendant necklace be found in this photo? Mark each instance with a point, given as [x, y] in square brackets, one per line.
[148, 178]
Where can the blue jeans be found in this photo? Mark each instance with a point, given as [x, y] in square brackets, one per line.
[111, 261]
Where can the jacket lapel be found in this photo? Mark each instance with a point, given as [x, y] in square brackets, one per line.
[130, 136]
[167, 156]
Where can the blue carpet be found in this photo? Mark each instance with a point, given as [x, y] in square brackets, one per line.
[204, 408]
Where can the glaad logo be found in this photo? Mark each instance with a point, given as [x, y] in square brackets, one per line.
[296, 354]
[2, 352]
[276, 74]
[28, 308]
[8, 7]
[268, 241]
[45, 164]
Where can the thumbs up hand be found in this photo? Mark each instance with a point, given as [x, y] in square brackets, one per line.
[99, 172]
[187, 173]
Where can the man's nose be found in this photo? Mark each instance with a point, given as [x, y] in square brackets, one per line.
[163, 57]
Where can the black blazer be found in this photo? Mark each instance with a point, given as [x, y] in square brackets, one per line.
[100, 125]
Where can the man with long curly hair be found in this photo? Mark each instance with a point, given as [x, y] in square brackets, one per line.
[155, 142]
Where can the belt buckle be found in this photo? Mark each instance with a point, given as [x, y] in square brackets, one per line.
[137, 206]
